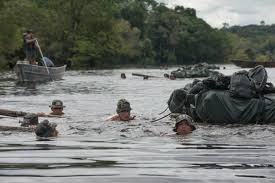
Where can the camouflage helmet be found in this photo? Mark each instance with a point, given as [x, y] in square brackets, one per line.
[29, 119]
[123, 106]
[184, 117]
[45, 129]
[57, 104]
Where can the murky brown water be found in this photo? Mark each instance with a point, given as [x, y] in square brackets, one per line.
[92, 150]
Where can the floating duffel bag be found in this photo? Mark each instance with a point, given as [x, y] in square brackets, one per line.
[248, 84]
[176, 101]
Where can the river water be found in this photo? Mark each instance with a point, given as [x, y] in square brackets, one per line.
[90, 149]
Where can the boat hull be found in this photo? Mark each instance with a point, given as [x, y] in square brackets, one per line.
[251, 64]
[28, 72]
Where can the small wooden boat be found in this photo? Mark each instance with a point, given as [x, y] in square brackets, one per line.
[251, 64]
[28, 72]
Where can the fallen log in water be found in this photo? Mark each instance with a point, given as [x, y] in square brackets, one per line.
[10, 113]
[14, 128]
[5, 112]
[144, 75]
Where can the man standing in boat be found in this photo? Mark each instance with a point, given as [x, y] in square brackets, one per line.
[29, 46]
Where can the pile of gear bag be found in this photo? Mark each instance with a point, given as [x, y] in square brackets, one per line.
[244, 98]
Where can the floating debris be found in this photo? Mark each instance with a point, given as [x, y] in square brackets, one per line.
[196, 71]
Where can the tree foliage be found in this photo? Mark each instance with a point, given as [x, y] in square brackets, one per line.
[253, 42]
[99, 33]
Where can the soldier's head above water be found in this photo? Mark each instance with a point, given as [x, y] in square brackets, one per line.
[123, 76]
[57, 107]
[166, 75]
[124, 110]
[172, 77]
[29, 120]
[184, 125]
[46, 129]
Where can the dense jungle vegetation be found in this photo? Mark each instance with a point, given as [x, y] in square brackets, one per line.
[109, 33]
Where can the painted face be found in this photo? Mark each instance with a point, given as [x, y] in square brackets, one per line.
[124, 116]
[184, 128]
[57, 111]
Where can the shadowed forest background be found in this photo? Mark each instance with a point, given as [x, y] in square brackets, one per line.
[113, 33]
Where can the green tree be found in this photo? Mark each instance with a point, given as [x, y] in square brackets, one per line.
[250, 53]
[115, 32]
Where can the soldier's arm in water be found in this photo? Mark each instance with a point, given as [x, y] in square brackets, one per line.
[115, 117]
[41, 114]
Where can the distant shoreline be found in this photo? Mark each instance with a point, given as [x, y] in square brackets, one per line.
[126, 66]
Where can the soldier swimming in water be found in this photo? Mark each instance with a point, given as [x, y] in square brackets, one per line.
[123, 112]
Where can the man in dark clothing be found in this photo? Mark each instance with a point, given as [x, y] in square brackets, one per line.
[29, 46]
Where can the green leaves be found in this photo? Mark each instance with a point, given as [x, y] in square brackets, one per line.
[252, 42]
[115, 32]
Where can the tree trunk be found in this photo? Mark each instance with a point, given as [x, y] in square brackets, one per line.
[14, 128]
[5, 112]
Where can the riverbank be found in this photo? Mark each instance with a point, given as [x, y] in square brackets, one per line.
[5, 66]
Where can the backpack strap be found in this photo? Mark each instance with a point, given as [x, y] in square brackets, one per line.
[260, 112]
